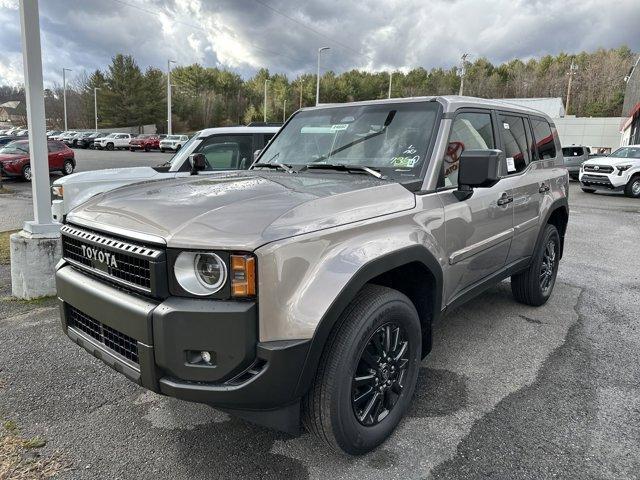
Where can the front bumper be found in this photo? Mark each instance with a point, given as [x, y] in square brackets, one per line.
[610, 181]
[161, 336]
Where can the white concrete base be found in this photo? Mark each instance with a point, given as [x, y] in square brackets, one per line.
[33, 263]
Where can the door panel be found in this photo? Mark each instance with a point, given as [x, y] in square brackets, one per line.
[478, 230]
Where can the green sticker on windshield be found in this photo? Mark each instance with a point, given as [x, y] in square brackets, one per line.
[405, 162]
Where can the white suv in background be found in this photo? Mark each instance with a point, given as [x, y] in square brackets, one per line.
[619, 171]
[229, 148]
[113, 141]
[173, 142]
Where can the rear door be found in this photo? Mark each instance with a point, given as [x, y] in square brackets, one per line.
[528, 180]
[56, 156]
[479, 229]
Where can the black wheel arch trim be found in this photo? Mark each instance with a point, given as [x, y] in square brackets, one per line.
[364, 275]
[561, 203]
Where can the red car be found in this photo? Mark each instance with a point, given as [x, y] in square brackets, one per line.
[14, 159]
[145, 142]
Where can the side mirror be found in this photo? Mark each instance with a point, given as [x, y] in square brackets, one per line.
[256, 154]
[478, 169]
[198, 162]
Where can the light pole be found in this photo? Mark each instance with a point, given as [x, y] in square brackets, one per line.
[95, 104]
[463, 71]
[320, 50]
[265, 101]
[64, 94]
[572, 71]
[284, 110]
[169, 62]
[390, 78]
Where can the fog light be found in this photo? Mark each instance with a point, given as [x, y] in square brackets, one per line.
[206, 357]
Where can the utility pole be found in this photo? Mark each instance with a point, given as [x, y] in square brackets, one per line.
[265, 101]
[64, 94]
[463, 71]
[95, 104]
[169, 62]
[284, 110]
[300, 93]
[320, 50]
[390, 78]
[572, 71]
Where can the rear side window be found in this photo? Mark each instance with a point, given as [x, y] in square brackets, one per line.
[515, 140]
[572, 151]
[544, 138]
[227, 152]
[470, 131]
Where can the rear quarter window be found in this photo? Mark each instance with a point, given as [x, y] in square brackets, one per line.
[544, 138]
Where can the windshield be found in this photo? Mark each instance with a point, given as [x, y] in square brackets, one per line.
[144, 135]
[111, 135]
[627, 152]
[15, 148]
[172, 137]
[390, 137]
[186, 150]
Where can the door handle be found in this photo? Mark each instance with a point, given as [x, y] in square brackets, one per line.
[543, 188]
[504, 199]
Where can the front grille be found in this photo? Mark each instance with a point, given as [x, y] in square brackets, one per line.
[598, 168]
[111, 338]
[596, 180]
[135, 266]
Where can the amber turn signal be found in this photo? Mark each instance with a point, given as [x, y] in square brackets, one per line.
[243, 276]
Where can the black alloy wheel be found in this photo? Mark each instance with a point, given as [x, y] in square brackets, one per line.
[379, 378]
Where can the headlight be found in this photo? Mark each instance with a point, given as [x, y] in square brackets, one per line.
[200, 273]
[57, 191]
[623, 168]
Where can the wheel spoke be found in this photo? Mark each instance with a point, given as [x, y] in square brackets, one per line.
[367, 409]
[360, 398]
[364, 379]
[396, 338]
[387, 339]
[378, 344]
[402, 351]
[369, 359]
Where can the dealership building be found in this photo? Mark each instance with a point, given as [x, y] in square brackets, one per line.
[631, 108]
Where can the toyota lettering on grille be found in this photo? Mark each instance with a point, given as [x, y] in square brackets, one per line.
[106, 259]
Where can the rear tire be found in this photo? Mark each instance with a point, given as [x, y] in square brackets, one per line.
[588, 190]
[360, 369]
[535, 285]
[26, 173]
[67, 168]
[632, 188]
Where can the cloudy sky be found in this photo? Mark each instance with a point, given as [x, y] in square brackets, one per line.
[283, 35]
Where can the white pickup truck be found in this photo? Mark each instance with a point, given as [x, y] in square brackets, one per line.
[228, 148]
[113, 141]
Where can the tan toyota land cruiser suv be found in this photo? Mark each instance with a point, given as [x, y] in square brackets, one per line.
[303, 291]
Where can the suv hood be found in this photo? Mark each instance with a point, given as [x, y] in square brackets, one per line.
[108, 175]
[611, 161]
[243, 210]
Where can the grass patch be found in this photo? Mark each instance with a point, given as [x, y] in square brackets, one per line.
[4, 247]
[20, 459]
[34, 302]
[5, 190]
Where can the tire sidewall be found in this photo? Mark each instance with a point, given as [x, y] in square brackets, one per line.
[360, 439]
[27, 177]
[550, 233]
[629, 187]
[64, 167]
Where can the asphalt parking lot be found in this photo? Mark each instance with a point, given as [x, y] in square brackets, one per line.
[508, 391]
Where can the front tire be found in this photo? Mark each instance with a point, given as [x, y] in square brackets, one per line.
[367, 373]
[162, 150]
[632, 188]
[535, 285]
[110, 146]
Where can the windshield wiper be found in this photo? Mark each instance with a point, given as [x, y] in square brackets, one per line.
[341, 167]
[282, 166]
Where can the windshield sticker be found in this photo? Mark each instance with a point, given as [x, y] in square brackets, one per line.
[506, 126]
[411, 150]
[405, 162]
[511, 165]
[339, 126]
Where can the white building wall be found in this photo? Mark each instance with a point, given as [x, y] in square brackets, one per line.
[595, 132]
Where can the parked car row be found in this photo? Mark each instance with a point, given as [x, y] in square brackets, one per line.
[15, 132]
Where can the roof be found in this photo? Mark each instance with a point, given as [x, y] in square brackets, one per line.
[231, 130]
[552, 106]
[450, 103]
